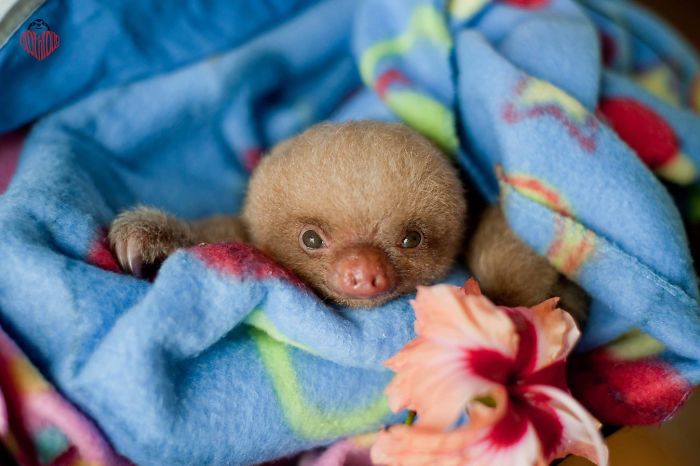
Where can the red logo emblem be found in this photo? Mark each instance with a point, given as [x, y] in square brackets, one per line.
[39, 40]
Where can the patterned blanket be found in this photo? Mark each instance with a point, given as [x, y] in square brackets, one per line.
[563, 110]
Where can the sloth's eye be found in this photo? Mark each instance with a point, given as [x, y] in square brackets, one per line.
[311, 239]
[411, 240]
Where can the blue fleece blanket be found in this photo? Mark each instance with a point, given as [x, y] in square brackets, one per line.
[227, 359]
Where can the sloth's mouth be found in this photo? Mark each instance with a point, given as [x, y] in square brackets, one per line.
[369, 302]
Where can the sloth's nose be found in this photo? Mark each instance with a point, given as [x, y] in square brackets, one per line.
[362, 272]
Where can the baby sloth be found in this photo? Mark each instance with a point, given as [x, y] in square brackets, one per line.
[362, 212]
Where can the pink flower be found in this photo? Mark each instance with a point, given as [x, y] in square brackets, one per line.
[505, 367]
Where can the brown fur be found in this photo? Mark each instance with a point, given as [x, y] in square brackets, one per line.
[512, 274]
[360, 183]
[145, 235]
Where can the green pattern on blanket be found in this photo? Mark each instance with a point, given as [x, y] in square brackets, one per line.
[306, 419]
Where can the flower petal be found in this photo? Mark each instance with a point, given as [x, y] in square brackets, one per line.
[475, 444]
[525, 452]
[532, 430]
[544, 419]
[422, 446]
[433, 379]
[553, 375]
[414, 446]
[556, 332]
[490, 365]
[471, 287]
[444, 313]
[507, 437]
[580, 435]
[451, 361]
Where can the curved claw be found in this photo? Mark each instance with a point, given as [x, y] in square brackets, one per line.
[143, 237]
[120, 250]
[134, 257]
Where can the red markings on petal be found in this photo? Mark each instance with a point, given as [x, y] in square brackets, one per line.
[242, 260]
[524, 408]
[546, 423]
[535, 418]
[388, 78]
[490, 365]
[100, 254]
[526, 357]
[510, 429]
[553, 375]
[646, 132]
[527, 409]
[642, 392]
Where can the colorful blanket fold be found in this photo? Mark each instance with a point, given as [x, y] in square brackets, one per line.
[562, 110]
[38, 425]
[226, 358]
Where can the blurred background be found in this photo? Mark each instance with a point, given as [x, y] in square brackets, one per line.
[676, 443]
[683, 14]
